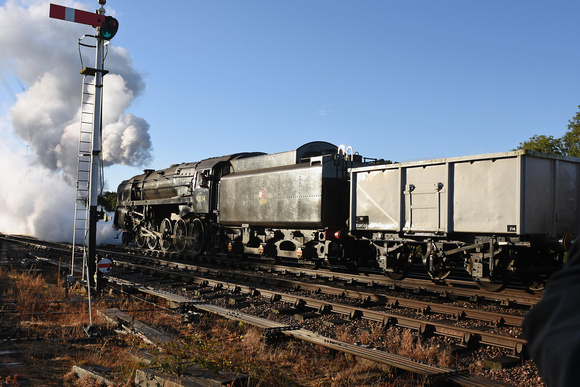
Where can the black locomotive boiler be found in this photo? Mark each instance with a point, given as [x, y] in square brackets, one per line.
[285, 205]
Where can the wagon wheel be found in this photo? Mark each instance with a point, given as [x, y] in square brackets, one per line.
[501, 276]
[165, 229]
[197, 236]
[403, 263]
[534, 268]
[490, 286]
[439, 274]
[535, 282]
[180, 236]
[435, 264]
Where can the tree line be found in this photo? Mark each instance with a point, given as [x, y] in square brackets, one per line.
[567, 145]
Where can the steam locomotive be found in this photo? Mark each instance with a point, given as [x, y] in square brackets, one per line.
[495, 215]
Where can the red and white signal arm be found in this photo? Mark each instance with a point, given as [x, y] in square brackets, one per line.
[105, 265]
[76, 15]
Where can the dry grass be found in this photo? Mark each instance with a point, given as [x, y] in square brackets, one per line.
[398, 341]
[216, 344]
[35, 308]
[219, 344]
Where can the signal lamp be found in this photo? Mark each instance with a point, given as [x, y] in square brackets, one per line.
[109, 28]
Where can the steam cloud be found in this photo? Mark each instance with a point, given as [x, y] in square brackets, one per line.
[37, 191]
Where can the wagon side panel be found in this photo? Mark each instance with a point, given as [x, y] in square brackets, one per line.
[376, 200]
[486, 196]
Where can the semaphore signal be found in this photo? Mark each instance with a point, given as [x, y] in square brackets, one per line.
[107, 25]
[76, 15]
[88, 186]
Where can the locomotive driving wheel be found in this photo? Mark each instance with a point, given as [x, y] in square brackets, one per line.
[140, 239]
[151, 242]
[180, 242]
[125, 238]
[165, 229]
[197, 236]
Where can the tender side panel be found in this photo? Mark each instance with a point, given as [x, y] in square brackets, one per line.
[486, 196]
[264, 161]
[280, 197]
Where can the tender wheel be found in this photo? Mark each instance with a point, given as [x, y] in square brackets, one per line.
[166, 230]
[180, 236]
[197, 236]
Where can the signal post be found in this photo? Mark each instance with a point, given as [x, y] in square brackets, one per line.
[106, 27]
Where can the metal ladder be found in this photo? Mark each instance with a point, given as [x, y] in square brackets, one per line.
[82, 205]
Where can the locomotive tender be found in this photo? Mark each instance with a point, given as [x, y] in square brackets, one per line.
[493, 214]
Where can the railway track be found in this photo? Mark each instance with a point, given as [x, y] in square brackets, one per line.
[309, 295]
[275, 329]
[450, 288]
[355, 304]
[458, 287]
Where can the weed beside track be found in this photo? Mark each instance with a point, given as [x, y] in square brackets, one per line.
[44, 337]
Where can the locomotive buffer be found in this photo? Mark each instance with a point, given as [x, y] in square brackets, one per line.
[86, 214]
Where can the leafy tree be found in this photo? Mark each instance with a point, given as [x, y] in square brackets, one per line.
[543, 143]
[108, 200]
[572, 137]
[568, 144]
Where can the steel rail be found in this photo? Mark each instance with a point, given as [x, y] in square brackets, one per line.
[366, 297]
[469, 336]
[451, 288]
[430, 372]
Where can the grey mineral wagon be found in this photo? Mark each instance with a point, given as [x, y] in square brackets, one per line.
[496, 214]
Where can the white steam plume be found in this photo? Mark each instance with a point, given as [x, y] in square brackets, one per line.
[37, 193]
